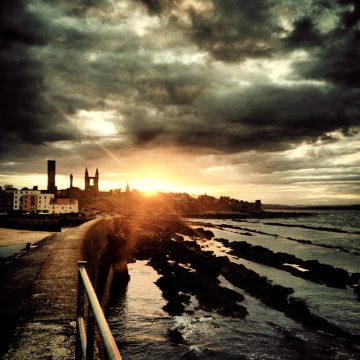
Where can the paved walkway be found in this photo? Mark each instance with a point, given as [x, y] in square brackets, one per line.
[46, 327]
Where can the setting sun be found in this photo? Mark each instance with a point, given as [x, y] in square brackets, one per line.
[151, 186]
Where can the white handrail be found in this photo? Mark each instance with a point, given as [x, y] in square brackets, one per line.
[85, 337]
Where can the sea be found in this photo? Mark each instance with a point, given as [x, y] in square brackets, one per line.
[142, 329]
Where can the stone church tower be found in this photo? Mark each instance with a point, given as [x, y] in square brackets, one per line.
[91, 183]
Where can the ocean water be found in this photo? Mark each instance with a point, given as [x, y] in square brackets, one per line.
[143, 329]
[6, 251]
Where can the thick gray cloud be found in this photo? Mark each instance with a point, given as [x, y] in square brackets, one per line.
[26, 116]
[235, 30]
[335, 53]
[229, 30]
[264, 118]
[198, 75]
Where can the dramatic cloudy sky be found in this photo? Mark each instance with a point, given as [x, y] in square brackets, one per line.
[249, 98]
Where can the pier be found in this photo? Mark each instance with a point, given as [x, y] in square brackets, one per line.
[40, 293]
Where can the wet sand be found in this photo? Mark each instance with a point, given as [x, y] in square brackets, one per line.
[11, 237]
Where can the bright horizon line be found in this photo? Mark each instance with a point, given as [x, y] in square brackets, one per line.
[267, 193]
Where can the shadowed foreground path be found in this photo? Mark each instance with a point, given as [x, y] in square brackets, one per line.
[46, 327]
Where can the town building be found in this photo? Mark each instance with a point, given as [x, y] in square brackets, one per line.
[29, 203]
[51, 201]
[63, 206]
[32, 201]
[18, 198]
[6, 199]
[43, 202]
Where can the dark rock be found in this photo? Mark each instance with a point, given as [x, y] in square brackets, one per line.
[207, 234]
[176, 336]
[316, 272]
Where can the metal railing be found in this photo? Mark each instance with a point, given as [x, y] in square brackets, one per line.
[85, 333]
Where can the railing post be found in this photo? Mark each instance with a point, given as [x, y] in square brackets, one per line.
[79, 311]
[90, 334]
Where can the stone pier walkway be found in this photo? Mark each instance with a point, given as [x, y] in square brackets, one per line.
[46, 327]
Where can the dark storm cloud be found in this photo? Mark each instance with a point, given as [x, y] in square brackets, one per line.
[335, 55]
[338, 61]
[70, 56]
[80, 7]
[264, 118]
[174, 84]
[229, 30]
[236, 30]
[157, 6]
[270, 117]
[304, 34]
[26, 116]
[17, 27]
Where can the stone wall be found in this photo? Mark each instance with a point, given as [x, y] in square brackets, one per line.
[103, 248]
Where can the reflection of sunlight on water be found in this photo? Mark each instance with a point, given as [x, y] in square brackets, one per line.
[148, 299]
[137, 320]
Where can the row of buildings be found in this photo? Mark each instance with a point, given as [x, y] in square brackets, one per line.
[35, 201]
[50, 201]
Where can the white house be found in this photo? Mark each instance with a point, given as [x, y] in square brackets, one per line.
[31, 200]
[43, 202]
[63, 206]
[18, 194]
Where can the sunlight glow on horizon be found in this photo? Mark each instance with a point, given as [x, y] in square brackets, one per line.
[151, 186]
[170, 170]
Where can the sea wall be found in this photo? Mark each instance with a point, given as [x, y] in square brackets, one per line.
[39, 288]
[35, 224]
[103, 248]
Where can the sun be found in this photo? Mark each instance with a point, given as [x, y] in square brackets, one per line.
[151, 186]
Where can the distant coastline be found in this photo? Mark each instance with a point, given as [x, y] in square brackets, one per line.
[244, 215]
[310, 207]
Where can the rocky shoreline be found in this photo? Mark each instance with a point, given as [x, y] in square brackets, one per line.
[187, 272]
[311, 270]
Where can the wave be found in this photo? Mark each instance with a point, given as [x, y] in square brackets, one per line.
[318, 228]
[197, 352]
[251, 232]
[311, 270]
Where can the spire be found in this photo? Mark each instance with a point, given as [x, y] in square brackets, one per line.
[86, 172]
[71, 180]
[127, 187]
[96, 172]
